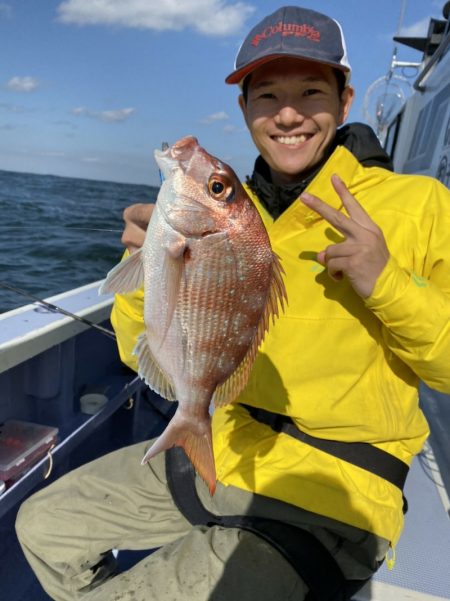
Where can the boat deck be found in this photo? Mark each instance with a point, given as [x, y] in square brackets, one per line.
[422, 568]
[421, 572]
[48, 360]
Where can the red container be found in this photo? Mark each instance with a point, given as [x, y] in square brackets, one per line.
[21, 445]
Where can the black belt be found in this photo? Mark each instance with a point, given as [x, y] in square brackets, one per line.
[361, 454]
[309, 558]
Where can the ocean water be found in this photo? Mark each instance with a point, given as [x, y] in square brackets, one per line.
[54, 231]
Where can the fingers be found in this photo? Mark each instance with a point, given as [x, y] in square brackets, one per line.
[348, 226]
[336, 259]
[354, 209]
[136, 219]
[360, 263]
[335, 218]
[363, 254]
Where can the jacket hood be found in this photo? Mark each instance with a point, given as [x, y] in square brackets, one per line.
[358, 138]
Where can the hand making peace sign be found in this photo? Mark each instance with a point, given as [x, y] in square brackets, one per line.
[362, 256]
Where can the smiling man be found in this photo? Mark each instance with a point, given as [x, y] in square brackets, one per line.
[292, 108]
[312, 457]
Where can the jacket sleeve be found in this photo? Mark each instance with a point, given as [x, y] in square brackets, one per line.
[414, 305]
[127, 319]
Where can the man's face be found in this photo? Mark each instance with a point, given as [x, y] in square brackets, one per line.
[292, 111]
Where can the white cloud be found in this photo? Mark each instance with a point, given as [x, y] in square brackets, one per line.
[416, 30]
[439, 5]
[52, 154]
[22, 84]
[230, 129]
[209, 17]
[116, 115]
[90, 160]
[12, 108]
[5, 10]
[214, 117]
[112, 116]
[80, 110]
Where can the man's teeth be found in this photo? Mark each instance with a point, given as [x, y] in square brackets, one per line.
[291, 139]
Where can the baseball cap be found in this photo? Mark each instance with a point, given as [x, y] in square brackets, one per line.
[295, 32]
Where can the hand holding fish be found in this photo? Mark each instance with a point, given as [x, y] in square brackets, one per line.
[362, 256]
[136, 217]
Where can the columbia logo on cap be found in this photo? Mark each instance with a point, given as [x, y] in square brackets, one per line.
[286, 29]
[295, 32]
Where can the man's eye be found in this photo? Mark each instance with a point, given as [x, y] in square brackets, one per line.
[265, 96]
[312, 92]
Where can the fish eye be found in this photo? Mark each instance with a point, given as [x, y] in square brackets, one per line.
[217, 187]
[220, 188]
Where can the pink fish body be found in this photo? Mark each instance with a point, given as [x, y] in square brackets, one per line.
[211, 284]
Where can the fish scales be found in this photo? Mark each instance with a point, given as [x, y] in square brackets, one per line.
[208, 304]
[213, 303]
[211, 286]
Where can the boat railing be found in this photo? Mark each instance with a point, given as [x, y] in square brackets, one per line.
[436, 57]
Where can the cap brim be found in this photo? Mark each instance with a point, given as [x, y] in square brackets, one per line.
[238, 75]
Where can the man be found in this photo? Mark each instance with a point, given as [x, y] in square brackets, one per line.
[312, 457]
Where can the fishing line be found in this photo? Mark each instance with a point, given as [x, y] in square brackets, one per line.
[402, 16]
[51, 306]
[57, 309]
[61, 227]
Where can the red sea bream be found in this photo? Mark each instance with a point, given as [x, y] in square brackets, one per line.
[211, 285]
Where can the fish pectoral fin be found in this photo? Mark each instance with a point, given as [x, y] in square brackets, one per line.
[198, 448]
[175, 244]
[150, 371]
[173, 269]
[126, 276]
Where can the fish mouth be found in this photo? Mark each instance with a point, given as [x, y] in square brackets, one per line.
[177, 155]
[189, 157]
[183, 147]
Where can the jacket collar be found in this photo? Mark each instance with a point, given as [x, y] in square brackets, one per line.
[358, 138]
[298, 216]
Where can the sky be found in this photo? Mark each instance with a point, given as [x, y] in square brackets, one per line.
[89, 88]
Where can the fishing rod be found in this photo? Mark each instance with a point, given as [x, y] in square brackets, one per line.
[57, 309]
[164, 146]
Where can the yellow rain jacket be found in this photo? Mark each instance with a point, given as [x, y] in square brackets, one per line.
[342, 367]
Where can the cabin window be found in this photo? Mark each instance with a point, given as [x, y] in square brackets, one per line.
[428, 129]
[390, 141]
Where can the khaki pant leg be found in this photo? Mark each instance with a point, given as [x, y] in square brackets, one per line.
[207, 564]
[112, 502]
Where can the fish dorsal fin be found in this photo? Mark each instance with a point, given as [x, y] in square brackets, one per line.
[277, 297]
[150, 371]
[126, 276]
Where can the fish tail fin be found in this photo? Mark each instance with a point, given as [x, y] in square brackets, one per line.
[198, 447]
